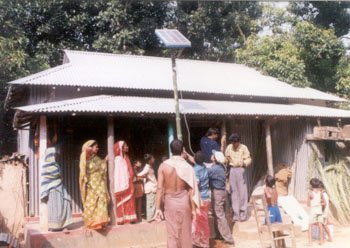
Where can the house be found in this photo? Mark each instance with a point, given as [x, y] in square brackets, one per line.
[109, 97]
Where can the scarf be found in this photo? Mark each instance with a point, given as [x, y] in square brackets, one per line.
[185, 171]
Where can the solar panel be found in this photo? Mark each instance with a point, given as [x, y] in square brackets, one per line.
[172, 38]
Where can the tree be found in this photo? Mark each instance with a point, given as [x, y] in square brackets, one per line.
[343, 75]
[329, 14]
[215, 29]
[275, 56]
[321, 52]
[128, 26]
[307, 55]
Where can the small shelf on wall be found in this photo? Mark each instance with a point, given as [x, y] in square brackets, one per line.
[330, 133]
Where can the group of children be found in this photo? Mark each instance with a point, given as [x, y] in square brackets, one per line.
[317, 201]
[145, 183]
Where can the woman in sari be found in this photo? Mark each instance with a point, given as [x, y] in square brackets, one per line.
[52, 191]
[123, 185]
[93, 187]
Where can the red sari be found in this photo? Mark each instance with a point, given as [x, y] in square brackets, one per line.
[125, 199]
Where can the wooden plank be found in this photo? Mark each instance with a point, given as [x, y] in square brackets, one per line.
[43, 212]
[110, 148]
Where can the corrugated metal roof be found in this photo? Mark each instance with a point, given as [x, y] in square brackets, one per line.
[90, 69]
[126, 104]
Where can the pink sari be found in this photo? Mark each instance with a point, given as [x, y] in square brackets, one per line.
[200, 226]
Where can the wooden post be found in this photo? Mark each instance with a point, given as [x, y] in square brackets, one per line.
[110, 146]
[223, 142]
[268, 147]
[43, 212]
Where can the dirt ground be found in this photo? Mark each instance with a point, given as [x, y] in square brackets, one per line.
[341, 240]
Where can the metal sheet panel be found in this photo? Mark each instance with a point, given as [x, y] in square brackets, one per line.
[91, 69]
[290, 146]
[123, 104]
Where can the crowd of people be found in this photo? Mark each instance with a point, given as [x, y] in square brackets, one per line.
[185, 192]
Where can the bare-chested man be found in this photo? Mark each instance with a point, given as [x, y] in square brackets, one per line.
[178, 188]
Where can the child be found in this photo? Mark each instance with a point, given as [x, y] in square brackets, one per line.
[150, 186]
[314, 201]
[138, 189]
[271, 196]
[325, 211]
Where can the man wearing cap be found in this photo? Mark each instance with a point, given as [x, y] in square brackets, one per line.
[217, 181]
[239, 159]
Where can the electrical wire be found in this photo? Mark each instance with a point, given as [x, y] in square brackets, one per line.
[188, 129]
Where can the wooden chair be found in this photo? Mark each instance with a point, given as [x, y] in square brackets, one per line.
[272, 231]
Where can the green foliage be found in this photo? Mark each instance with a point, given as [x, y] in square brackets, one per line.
[330, 14]
[276, 56]
[215, 28]
[343, 75]
[128, 27]
[308, 55]
[321, 51]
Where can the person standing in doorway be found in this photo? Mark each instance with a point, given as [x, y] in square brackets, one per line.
[208, 143]
[178, 187]
[239, 159]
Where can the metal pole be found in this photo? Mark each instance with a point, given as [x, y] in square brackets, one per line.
[176, 97]
[268, 148]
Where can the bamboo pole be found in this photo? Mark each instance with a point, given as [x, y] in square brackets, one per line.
[176, 97]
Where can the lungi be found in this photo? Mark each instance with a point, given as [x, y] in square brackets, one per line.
[177, 212]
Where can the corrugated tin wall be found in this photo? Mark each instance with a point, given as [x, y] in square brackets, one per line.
[68, 159]
[251, 133]
[290, 146]
[288, 141]
[33, 181]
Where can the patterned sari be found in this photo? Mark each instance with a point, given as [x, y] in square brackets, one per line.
[123, 186]
[93, 188]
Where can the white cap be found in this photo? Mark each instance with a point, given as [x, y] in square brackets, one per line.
[219, 156]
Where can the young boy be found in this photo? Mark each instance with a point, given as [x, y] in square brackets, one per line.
[217, 181]
[271, 196]
[325, 211]
[314, 201]
[150, 186]
[138, 189]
